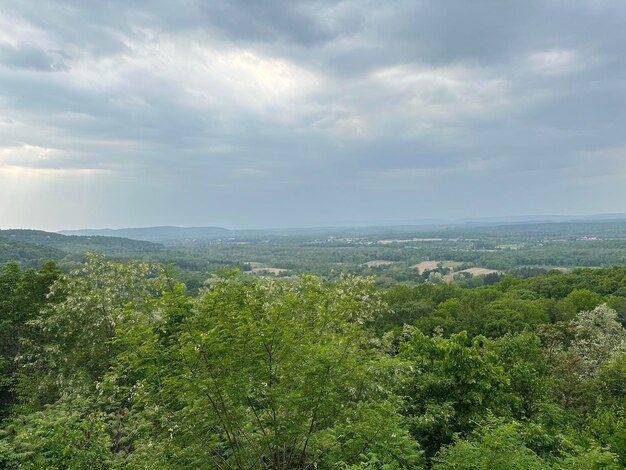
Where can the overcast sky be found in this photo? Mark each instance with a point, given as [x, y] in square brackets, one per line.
[305, 113]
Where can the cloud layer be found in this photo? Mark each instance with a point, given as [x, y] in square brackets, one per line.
[280, 113]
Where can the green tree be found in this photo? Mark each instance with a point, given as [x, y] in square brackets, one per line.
[66, 435]
[528, 373]
[263, 374]
[71, 345]
[500, 445]
[22, 295]
[577, 351]
[505, 316]
[451, 385]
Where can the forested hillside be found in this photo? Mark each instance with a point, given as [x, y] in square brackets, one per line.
[118, 365]
[29, 254]
[113, 246]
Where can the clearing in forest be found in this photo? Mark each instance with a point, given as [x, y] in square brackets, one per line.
[264, 270]
[430, 265]
[473, 271]
[479, 271]
[378, 262]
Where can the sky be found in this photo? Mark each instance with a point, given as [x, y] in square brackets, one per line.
[290, 113]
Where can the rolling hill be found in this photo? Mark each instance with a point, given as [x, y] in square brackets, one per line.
[114, 246]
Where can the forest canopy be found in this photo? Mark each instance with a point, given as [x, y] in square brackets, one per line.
[118, 365]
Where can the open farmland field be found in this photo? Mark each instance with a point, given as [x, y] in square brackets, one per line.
[430, 265]
[474, 272]
[267, 270]
[479, 271]
[379, 262]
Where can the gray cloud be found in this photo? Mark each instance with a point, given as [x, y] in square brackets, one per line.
[277, 113]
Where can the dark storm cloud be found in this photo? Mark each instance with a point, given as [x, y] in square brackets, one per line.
[351, 110]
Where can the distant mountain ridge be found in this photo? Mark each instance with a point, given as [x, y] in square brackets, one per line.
[172, 235]
[156, 234]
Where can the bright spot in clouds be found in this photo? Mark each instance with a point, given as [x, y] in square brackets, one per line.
[555, 61]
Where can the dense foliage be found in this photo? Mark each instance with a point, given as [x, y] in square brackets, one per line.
[28, 254]
[119, 365]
